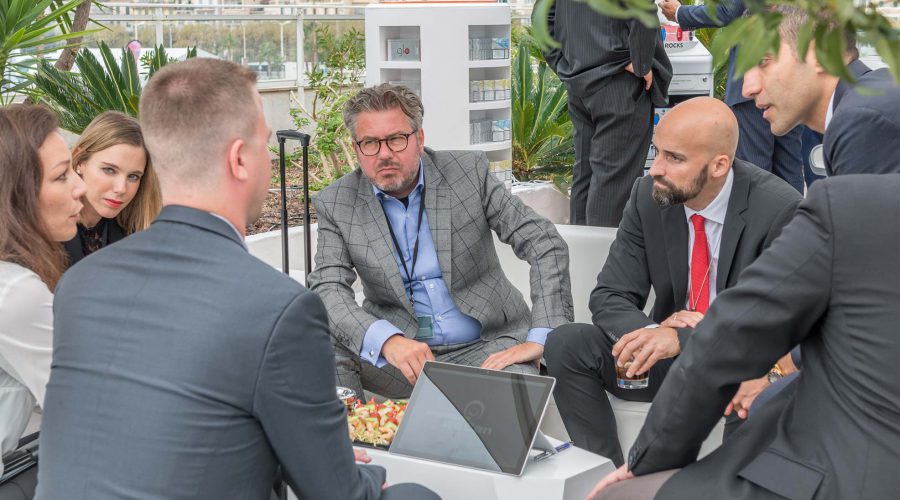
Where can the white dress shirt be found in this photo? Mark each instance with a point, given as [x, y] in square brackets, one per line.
[829, 114]
[26, 347]
[714, 215]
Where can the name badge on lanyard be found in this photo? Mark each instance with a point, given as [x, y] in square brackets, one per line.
[425, 331]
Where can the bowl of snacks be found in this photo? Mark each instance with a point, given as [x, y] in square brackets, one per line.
[375, 424]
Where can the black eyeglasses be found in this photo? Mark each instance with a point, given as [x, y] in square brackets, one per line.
[396, 143]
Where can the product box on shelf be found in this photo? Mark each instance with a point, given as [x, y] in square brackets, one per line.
[403, 49]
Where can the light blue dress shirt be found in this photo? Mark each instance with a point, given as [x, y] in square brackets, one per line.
[431, 297]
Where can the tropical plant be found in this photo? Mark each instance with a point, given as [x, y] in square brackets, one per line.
[757, 31]
[332, 84]
[541, 128]
[97, 87]
[27, 30]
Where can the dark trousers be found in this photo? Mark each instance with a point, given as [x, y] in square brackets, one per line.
[612, 131]
[20, 487]
[756, 144]
[580, 357]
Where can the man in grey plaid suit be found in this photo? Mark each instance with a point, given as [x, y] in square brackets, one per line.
[415, 225]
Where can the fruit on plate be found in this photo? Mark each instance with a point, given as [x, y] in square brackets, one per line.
[375, 423]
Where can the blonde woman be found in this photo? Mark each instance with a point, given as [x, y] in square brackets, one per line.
[122, 190]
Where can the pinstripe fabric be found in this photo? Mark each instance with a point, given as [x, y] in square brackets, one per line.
[387, 381]
[463, 203]
[612, 137]
[757, 145]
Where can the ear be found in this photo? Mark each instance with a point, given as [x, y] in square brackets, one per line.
[236, 163]
[720, 166]
[420, 136]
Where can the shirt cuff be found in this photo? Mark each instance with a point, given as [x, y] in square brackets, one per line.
[375, 337]
[652, 325]
[538, 335]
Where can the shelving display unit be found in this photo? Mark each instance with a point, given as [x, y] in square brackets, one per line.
[446, 68]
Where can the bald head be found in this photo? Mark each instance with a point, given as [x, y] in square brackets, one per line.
[702, 124]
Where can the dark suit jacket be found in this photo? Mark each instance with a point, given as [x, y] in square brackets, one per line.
[864, 134]
[692, 17]
[651, 248]
[185, 368]
[829, 282]
[594, 46]
[112, 232]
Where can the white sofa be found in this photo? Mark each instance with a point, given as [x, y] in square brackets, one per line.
[588, 250]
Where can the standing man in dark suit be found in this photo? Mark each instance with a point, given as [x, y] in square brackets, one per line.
[183, 367]
[689, 229]
[829, 282]
[615, 72]
[861, 127]
[756, 144]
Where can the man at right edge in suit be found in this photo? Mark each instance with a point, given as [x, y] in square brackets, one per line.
[861, 128]
[690, 228]
[184, 367]
[615, 72]
[829, 283]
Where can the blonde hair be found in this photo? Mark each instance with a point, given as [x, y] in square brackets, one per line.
[111, 129]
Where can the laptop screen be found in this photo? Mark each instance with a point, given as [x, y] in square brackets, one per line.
[473, 417]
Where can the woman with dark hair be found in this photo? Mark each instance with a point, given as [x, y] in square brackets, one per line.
[122, 191]
[39, 206]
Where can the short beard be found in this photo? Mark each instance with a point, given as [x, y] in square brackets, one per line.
[398, 184]
[672, 195]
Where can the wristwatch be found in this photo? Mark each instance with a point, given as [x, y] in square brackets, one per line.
[774, 374]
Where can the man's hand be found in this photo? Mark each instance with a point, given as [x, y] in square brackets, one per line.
[745, 396]
[646, 346]
[620, 474]
[522, 353]
[683, 319]
[407, 355]
[361, 456]
[669, 8]
[648, 78]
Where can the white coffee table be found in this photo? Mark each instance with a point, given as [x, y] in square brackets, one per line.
[569, 475]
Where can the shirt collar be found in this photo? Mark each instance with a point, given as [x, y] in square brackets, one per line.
[717, 209]
[381, 195]
[830, 113]
[238, 233]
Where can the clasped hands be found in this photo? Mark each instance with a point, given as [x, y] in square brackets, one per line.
[649, 345]
[409, 356]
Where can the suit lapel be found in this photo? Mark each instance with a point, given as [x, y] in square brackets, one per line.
[379, 240]
[734, 225]
[437, 208]
[675, 232]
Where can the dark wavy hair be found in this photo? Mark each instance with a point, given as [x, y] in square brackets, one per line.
[24, 238]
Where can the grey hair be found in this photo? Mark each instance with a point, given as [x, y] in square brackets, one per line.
[384, 97]
[793, 18]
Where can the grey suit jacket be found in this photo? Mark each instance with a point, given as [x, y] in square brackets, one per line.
[184, 368]
[829, 283]
[594, 47]
[651, 248]
[862, 137]
[464, 202]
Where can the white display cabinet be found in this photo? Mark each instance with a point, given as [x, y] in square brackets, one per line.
[460, 48]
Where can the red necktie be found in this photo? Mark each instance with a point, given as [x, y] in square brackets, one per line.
[699, 290]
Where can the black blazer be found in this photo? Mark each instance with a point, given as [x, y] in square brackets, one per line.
[829, 283]
[112, 232]
[594, 46]
[651, 248]
[864, 134]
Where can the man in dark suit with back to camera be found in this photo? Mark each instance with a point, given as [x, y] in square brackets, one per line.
[861, 126]
[829, 283]
[183, 367]
[615, 72]
[689, 230]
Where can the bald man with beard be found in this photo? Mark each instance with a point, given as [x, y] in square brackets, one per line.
[690, 227]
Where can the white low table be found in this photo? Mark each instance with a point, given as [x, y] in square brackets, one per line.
[568, 475]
